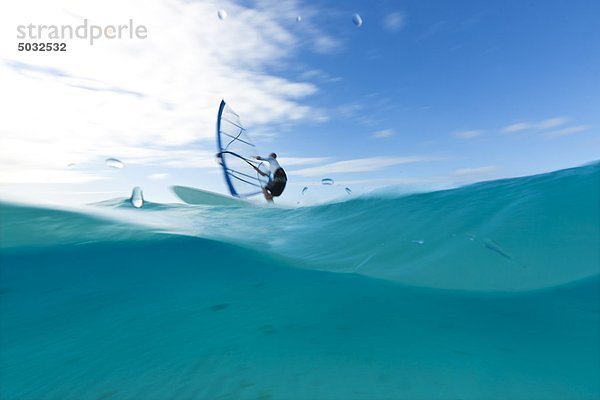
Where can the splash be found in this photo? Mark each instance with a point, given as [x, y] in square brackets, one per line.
[114, 163]
[137, 197]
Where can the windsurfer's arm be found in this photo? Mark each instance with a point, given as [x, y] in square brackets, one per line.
[259, 171]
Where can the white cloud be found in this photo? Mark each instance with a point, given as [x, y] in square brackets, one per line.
[358, 165]
[394, 21]
[293, 161]
[542, 125]
[319, 75]
[47, 175]
[327, 44]
[307, 30]
[551, 123]
[519, 126]
[568, 131]
[476, 171]
[384, 133]
[468, 134]
[159, 176]
[144, 101]
[349, 110]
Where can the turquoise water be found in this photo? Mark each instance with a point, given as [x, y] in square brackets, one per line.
[490, 291]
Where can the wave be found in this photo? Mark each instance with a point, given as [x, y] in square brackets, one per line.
[514, 234]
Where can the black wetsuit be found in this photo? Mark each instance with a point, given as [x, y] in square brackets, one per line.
[277, 183]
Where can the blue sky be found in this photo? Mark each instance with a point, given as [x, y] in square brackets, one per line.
[425, 94]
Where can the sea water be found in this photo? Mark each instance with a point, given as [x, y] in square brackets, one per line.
[490, 291]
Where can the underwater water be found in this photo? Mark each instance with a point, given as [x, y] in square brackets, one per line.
[489, 291]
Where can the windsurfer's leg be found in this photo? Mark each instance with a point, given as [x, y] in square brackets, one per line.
[268, 196]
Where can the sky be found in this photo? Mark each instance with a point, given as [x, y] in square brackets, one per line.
[423, 95]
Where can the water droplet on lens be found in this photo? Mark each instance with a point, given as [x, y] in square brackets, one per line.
[114, 163]
[415, 241]
[357, 20]
[137, 197]
[298, 18]
[222, 14]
